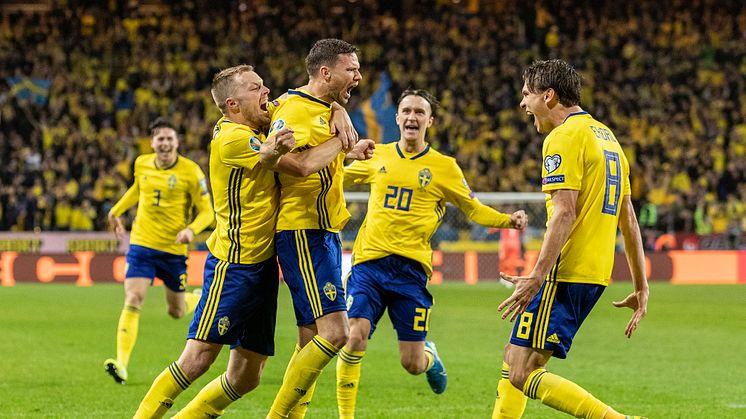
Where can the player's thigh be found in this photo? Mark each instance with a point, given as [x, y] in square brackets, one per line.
[172, 269]
[365, 296]
[312, 269]
[140, 262]
[237, 300]
[408, 299]
[554, 316]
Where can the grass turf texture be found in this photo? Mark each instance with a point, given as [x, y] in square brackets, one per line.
[686, 361]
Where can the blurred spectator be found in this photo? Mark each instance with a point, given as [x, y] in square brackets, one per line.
[79, 84]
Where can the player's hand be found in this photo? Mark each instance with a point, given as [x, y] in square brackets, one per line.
[526, 288]
[519, 220]
[363, 150]
[275, 147]
[341, 126]
[638, 302]
[282, 142]
[185, 236]
[117, 226]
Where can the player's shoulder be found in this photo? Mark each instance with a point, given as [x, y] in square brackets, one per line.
[227, 130]
[145, 160]
[187, 163]
[434, 156]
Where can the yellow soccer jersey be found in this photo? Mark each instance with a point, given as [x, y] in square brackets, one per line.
[164, 200]
[316, 201]
[582, 154]
[408, 196]
[245, 196]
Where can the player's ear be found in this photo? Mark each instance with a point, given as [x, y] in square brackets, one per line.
[325, 73]
[430, 121]
[549, 95]
[231, 103]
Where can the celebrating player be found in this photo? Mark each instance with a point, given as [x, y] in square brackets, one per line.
[312, 212]
[586, 176]
[165, 188]
[410, 185]
[239, 299]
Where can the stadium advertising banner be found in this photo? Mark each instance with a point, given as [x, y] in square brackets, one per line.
[86, 259]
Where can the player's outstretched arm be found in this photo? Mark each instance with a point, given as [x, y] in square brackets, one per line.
[341, 126]
[557, 233]
[638, 300]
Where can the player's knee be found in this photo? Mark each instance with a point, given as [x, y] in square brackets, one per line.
[134, 299]
[338, 337]
[176, 312]
[413, 363]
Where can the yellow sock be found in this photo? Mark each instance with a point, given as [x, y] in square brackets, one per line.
[169, 384]
[566, 396]
[300, 409]
[129, 321]
[301, 375]
[191, 299]
[511, 402]
[211, 400]
[348, 380]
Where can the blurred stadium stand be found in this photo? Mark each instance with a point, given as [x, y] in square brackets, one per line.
[81, 80]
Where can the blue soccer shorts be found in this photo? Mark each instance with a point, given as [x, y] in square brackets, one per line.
[396, 283]
[144, 262]
[311, 262]
[238, 305]
[554, 316]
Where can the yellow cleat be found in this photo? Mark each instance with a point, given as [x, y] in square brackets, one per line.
[116, 369]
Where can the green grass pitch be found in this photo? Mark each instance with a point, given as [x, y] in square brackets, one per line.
[688, 359]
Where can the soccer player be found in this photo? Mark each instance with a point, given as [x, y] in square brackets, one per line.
[312, 212]
[239, 300]
[586, 179]
[165, 189]
[392, 258]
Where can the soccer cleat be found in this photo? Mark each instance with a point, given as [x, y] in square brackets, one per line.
[436, 375]
[116, 369]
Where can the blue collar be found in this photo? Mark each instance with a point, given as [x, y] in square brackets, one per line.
[576, 113]
[422, 153]
[309, 97]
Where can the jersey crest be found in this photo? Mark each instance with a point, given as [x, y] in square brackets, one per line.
[330, 291]
[171, 181]
[424, 178]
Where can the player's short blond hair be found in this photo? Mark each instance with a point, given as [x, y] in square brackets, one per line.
[224, 84]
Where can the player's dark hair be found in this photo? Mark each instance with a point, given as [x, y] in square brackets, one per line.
[159, 123]
[434, 104]
[557, 75]
[325, 53]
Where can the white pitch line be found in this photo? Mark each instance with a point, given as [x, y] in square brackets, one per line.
[737, 406]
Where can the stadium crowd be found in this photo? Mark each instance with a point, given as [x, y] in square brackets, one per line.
[80, 83]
